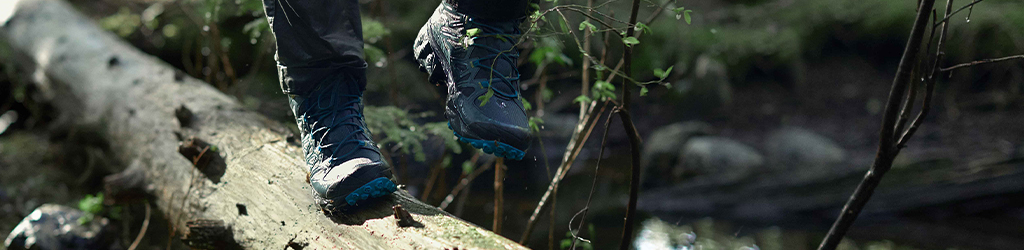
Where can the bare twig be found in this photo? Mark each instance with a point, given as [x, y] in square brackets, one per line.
[499, 192]
[142, 232]
[983, 61]
[593, 184]
[585, 68]
[950, 14]
[634, 138]
[586, 122]
[929, 84]
[578, 139]
[431, 181]
[887, 149]
[466, 180]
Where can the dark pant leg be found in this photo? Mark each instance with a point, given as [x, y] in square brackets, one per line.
[493, 10]
[318, 41]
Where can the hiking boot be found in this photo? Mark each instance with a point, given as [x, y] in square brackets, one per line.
[345, 166]
[471, 66]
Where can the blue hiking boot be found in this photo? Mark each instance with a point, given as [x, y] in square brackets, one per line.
[345, 166]
[470, 67]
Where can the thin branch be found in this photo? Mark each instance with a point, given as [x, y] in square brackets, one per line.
[142, 232]
[946, 18]
[573, 149]
[908, 103]
[593, 184]
[984, 61]
[925, 107]
[499, 193]
[929, 85]
[886, 147]
[579, 138]
[634, 138]
[431, 181]
[466, 180]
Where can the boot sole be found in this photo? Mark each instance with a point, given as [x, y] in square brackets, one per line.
[497, 148]
[376, 188]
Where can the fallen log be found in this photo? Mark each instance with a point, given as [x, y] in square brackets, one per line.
[216, 167]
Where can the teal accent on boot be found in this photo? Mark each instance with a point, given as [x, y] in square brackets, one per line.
[376, 188]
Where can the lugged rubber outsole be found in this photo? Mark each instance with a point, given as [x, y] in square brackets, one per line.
[376, 188]
[497, 148]
[373, 189]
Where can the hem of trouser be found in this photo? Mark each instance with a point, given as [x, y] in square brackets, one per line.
[302, 81]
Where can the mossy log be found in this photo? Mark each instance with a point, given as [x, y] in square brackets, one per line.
[249, 177]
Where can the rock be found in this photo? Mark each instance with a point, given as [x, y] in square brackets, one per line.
[54, 226]
[800, 149]
[657, 234]
[661, 148]
[720, 157]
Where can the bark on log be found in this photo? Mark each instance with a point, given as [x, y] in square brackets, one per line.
[97, 79]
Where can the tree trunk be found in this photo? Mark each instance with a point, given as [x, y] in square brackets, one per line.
[250, 179]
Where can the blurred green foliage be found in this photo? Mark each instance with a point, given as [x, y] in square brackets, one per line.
[399, 128]
[92, 206]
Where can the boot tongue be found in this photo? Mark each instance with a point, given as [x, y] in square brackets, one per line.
[503, 67]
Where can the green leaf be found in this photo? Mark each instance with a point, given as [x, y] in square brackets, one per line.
[686, 14]
[630, 41]
[467, 167]
[473, 32]
[582, 99]
[446, 161]
[643, 91]
[659, 73]
[641, 27]
[535, 123]
[85, 219]
[662, 74]
[586, 24]
[373, 30]
[563, 25]
[486, 97]
[254, 28]
[374, 56]
[539, 54]
[679, 12]
[604, 85]
[546, 94]
[602, 90]
[91, 204]
[526, 104]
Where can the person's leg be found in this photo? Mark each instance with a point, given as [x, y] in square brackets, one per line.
[477, 69]
[321, 68]
[316, 39]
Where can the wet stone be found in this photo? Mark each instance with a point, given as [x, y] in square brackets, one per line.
[54, 226]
